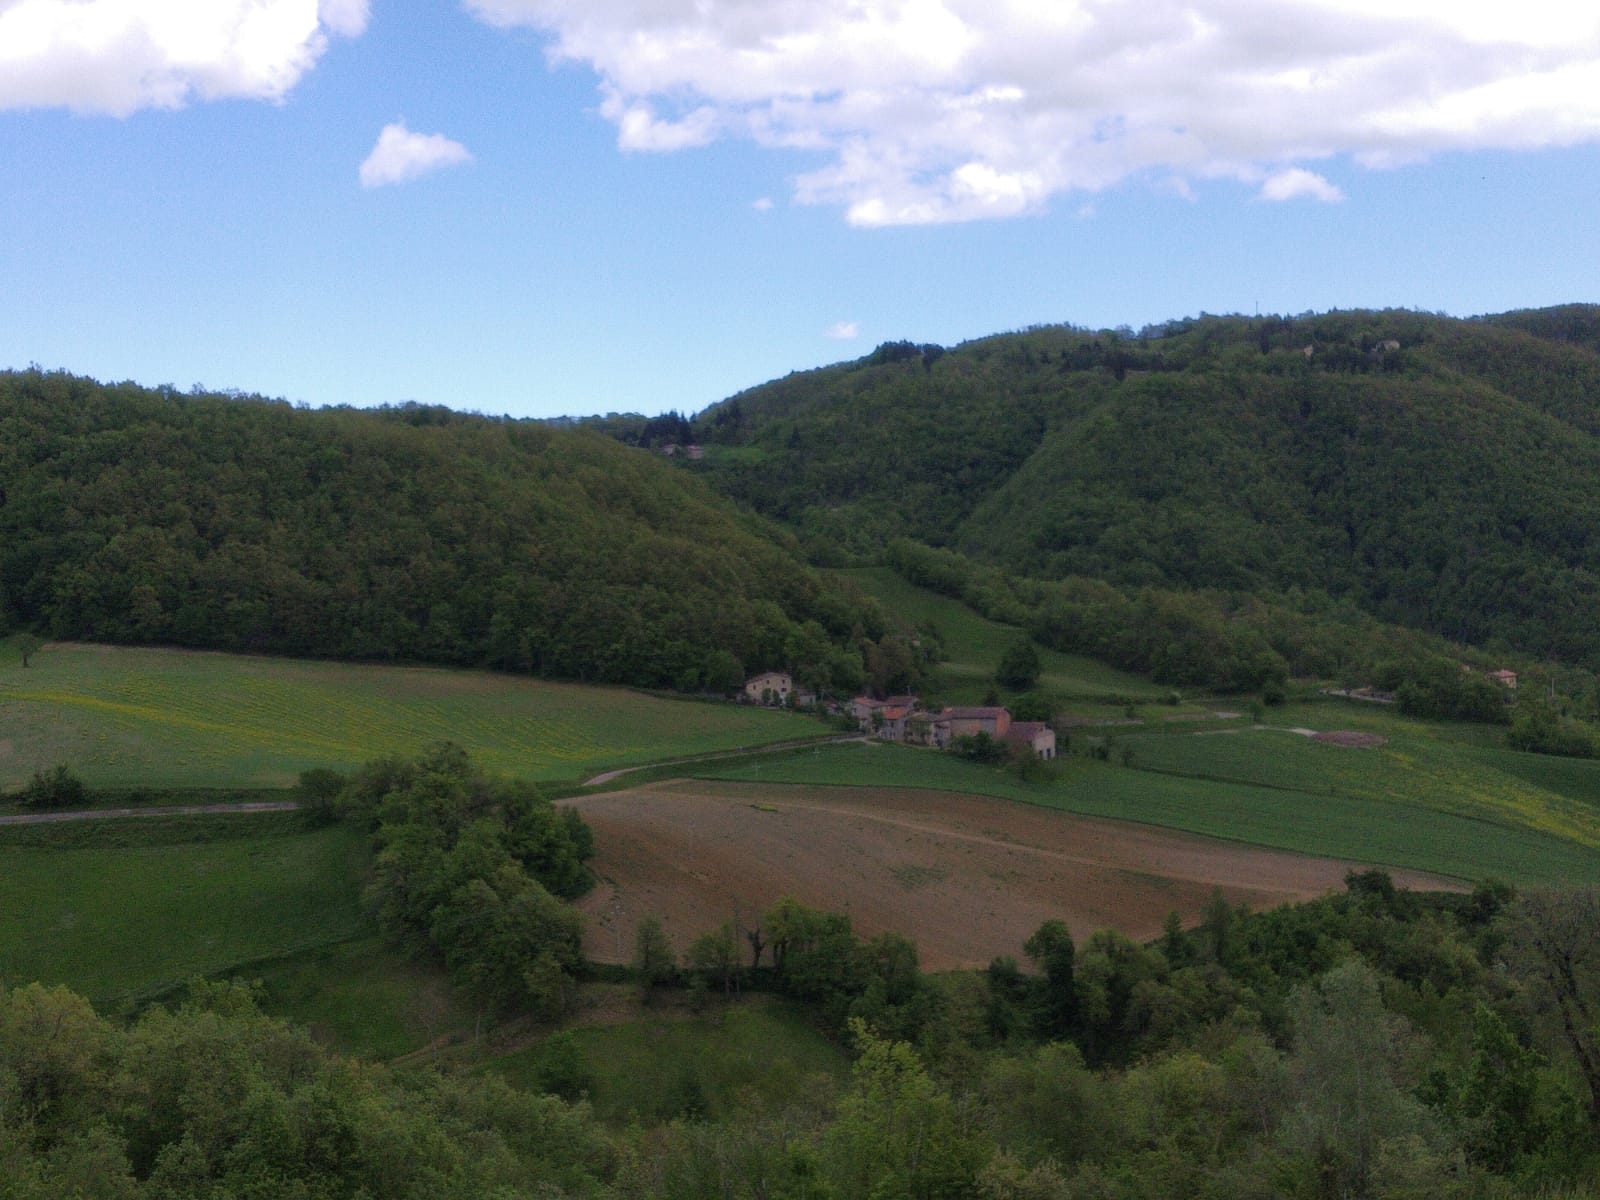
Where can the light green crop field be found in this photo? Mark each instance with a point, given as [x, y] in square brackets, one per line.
[119, 922]
[1279, 799]
[122, 716]
[1412, 770]
[974, 645]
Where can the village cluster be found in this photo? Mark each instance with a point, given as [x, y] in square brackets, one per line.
[904, 719]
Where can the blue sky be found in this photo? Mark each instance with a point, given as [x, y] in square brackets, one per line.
[541, 207]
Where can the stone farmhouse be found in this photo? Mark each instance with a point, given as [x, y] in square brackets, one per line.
[770, 687]
[903, 719]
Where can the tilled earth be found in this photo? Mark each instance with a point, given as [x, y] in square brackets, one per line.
[966, 877]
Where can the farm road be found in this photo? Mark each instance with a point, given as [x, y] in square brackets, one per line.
[161, 810]
[796, 744]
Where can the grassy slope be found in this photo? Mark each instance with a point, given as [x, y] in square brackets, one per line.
[146, 909]
[657, 1067]
[1360, 824]
[170, 718]
[366, 998]
[973, 647]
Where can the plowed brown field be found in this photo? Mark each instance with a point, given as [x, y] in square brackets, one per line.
[966, 877]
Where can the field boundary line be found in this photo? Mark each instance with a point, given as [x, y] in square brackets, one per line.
[163, 810]
[606, 777]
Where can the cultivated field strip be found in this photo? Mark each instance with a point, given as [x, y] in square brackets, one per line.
[1409, 770]
[133, 716]
[1402, 827]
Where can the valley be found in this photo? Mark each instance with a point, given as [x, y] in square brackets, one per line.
[478, 825]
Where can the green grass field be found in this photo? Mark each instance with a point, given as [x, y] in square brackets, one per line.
[170, 718]
[1413, 770]
[1413, 826]
[119, 921]
[974, 644]
[364, 997]
[657, 1068]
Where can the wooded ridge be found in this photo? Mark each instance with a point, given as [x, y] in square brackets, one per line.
[1438, 473]
[414, 534]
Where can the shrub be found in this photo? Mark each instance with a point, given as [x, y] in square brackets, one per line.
[56, 788]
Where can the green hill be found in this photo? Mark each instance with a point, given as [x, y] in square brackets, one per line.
[408, 534]
[1436, 473]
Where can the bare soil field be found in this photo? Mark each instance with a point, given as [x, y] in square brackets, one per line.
[1347, 737]
[966, 877]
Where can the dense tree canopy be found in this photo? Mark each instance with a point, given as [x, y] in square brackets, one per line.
[472, 870]
[1374, 1044]
[136, 515]
[1440, 474]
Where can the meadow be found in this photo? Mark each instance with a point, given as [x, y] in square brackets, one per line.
[1413, 769]
[126, 717]
[124, 910]
[365, 997]
[973, 645]
[661, 1066]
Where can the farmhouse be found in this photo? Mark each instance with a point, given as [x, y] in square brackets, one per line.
[903, 719]
[965, 722]
[871, 715]
[770, 687]
[1506, 679]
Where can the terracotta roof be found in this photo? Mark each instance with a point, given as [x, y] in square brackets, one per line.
[894, 714]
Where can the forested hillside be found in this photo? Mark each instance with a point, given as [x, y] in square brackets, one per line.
[1437, 473]
[135, 515]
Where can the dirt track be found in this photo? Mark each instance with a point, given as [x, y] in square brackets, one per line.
[967, 877]
[169, 810]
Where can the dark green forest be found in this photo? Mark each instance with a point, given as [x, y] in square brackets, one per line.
[1435, 473]
[406, 534]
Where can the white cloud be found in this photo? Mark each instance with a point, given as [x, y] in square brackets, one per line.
[118, 56]
[401, 155]
[944, 110]
[1296, 182]
[843, 331]
[762, 204]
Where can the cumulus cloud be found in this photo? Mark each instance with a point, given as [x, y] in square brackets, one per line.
[945, 110]
[843, 331]
[401, 155]
[118, 56]
[1297, 182]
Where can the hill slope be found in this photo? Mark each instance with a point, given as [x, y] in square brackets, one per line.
[1442, 474]
[132, 515]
